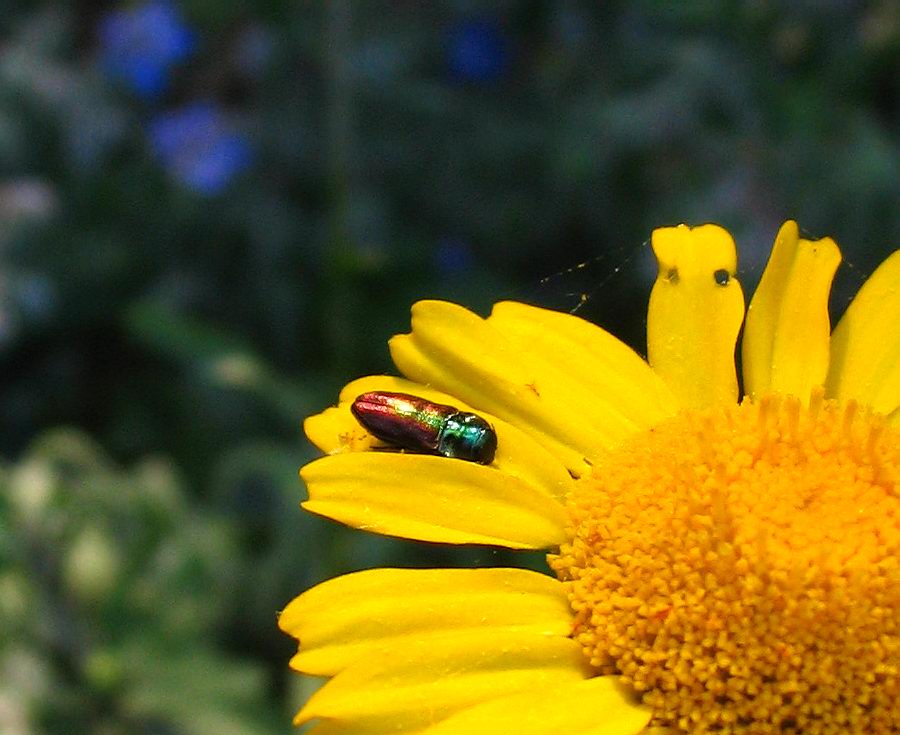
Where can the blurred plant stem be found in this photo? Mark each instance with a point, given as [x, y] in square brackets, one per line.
[339, 298]
[221, 360]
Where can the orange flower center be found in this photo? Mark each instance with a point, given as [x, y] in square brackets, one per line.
[740, 569]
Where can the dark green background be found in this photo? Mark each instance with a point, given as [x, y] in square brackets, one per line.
[159, 348]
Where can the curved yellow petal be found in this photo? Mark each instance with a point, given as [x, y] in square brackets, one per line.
[695, 314]
[433, 499]
[383, 610]
[335, 430]
[542, 425]
[598, 706]
[460, 353]
[432, 679]
[865, 346]
[786, 335]
[610, 373]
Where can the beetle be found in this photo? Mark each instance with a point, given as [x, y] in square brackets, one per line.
[411, 422]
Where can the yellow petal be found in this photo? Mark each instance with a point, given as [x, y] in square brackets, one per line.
[356, 615]
[417, 363]
[431, 679]
[336, 430]
[610, 373]
[865, 346]
[786, 335]
[433, 499]
[460, 353]
[695, 314]
[598, 706]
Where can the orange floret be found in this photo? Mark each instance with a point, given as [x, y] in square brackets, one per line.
[740, 567]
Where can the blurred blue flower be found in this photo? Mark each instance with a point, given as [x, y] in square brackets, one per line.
[477, 51]
[452, 257]
[199, 147]
[140, 45]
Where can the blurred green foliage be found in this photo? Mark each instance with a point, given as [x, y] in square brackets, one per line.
[213, 215]
[115, 592]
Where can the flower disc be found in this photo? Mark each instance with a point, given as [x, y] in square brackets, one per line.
[739, 567]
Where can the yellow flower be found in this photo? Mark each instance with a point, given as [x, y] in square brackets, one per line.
[722, 565]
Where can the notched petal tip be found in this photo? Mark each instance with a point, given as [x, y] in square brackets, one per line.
[695, 314]
[691, 252]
